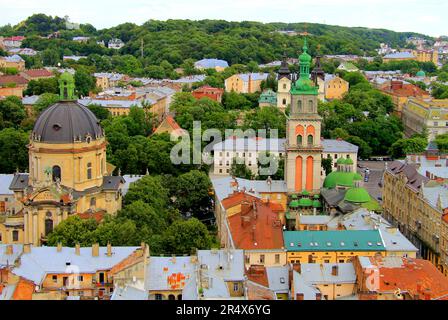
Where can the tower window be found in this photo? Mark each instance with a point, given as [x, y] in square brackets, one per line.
[299, 106]
[310, 106]
[48, 225]
[93, 202]
[89, 170]
[284, 102]
[299, 140]
[56, 171]
[284, 86]
[310, 140]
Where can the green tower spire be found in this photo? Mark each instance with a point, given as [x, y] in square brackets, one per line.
[67, 87]
[304, 85]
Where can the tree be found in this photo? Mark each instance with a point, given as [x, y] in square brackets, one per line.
[327, 165]
[267, 118]
[99, 111]
[12, 112]
[364, 151]
[73, 231]
[442, 142]
[403, 147]
[13, 151]
[40, 86]
[144, 216]
[192, 194]
[44, 101]
[150, 190]
[84, 82]
[182, 237]
[240, 170]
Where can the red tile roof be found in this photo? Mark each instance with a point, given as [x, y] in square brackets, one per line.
[24, 290]
[172, 123]
[276, 207]
[15, 38]
[405, 90]
[98, 216]
[256, 227]
[420, 278]
[236, 199]
[258, 275]
[37, 73]
[258, 292]
[13, 79]
[130, 260]
[209, 89]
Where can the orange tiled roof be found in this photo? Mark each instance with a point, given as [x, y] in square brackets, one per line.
[258, 292]
[13, 79]
[406, 90]
[258, 275]
[236, 199]
[210, 89]
[276, 207]
[130, 260]
[35, 73]
[416, 277]
[445, 217]
[172, 123]
[256, 229]
[98, 216]
[24, 290]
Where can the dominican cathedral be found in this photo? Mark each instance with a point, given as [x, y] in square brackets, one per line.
[68, 172]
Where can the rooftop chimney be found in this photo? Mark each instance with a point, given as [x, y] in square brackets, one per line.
[77, 249]
[27, 248]
[297, 267]
[59, 247]
[95, 250]
[109, 249]
[9, 250]
[334, 270]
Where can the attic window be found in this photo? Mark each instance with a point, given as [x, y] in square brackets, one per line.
[68, 263]
[369, 243]
[379, 243]
[329, 244]
[291, 244]
[355, 244]
[342, 243]
[282, 280]
[57, 127]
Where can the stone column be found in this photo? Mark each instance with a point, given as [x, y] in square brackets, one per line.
[25, 227]
[35, 229]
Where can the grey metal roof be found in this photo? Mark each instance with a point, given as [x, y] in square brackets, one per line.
[399, 55]
[253, 76]
[114, 103]
[129, 293]
[30, 100]
[65, 122]
[219, 267]
[112, 182]
[278, 145]
[8, 260]
[129, 179]
[5, 182]
[211, 63]
[43, 260]
[338, 146]
[302, 286]
[223, 187]
[278, 278]
[315, 273]
[19, 182]
[333, 196]
[160, 268]
[305, 219]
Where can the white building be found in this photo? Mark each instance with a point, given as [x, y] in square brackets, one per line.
[249, 149]
[115, 44]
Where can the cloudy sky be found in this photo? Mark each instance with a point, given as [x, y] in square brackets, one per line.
[424, 16]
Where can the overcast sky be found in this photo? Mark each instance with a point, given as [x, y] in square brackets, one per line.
[424, 16]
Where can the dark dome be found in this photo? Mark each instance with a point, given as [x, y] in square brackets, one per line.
[66, 122]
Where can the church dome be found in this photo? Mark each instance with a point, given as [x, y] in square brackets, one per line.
[66, 122]
[357, 195]
[340, 178]
[421, 73]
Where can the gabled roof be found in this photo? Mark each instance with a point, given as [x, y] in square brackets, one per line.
[34, 73]
[13, 79]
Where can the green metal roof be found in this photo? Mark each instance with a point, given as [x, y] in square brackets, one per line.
[317, 204]
[268, 96]
[357, 195]
[305, 202]
[294, 204]
[305, 193]
[344, 240]
[421, 73]
[340, 178]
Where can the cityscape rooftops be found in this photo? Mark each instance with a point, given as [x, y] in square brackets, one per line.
[168, 273]
[46, 260]
[9, 254]
[400, 55]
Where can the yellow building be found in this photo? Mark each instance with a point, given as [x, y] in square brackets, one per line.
[335, 87]
[406, 204]
[427, 56]
[326, 281]
[68, 171]
[331, 246]
[14, 61]
[245, 82]
[430, 114]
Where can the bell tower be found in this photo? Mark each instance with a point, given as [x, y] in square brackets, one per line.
[303, 144]
[284, 85]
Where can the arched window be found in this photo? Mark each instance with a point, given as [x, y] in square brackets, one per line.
[299, 140]
[299, 106]
[15, 235]
[89, 170]
[310, 106]
[171, 297]
[284, 102]
[48, 224]
[179, 297]
[284, 86]
[93, 202]
[310, 140]
[56, 171]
